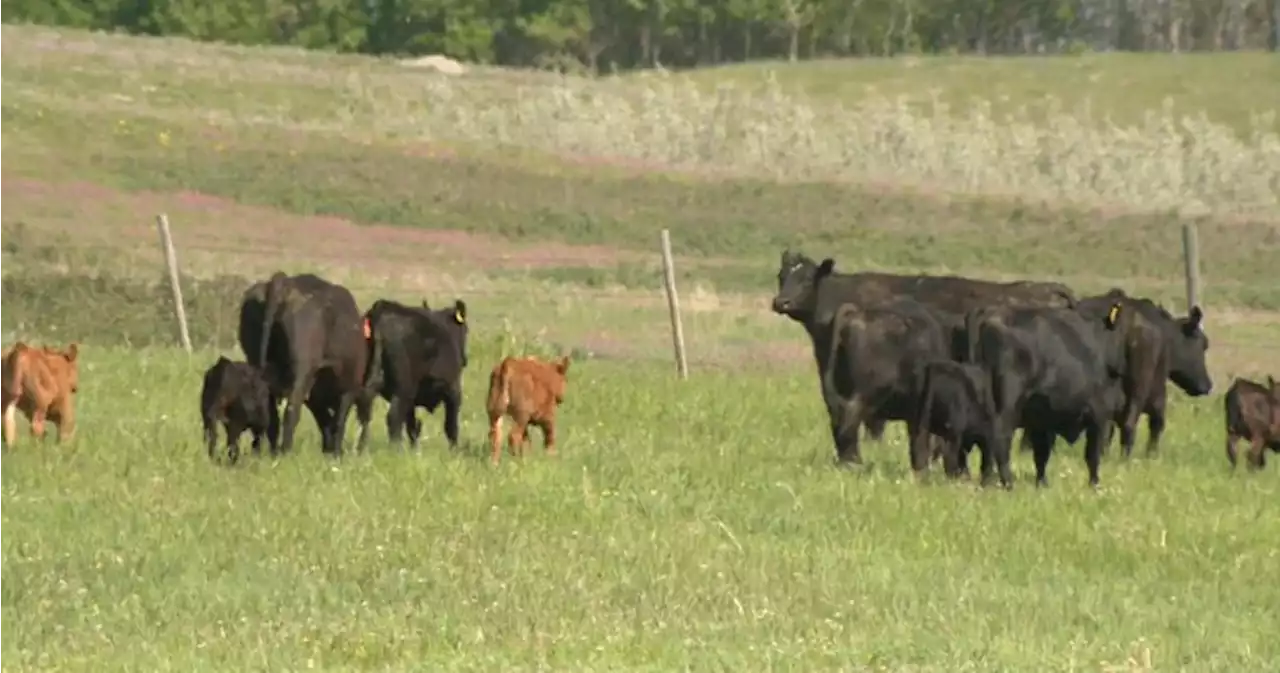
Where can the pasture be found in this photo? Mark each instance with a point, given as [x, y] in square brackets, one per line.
[695, 525]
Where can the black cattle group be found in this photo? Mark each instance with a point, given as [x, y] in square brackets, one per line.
[962, 362]
[307, 343]
[967, 362]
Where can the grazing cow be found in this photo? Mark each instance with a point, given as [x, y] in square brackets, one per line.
[529, 391]
[956, 405]
[810, 293]
[1158, 346]
[41, 383]
[1253, 414]
[418, 356]
[236, 395]
[1051, 371]
[875, 369]
[300, 330]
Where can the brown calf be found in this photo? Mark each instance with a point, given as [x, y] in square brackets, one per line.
[529, 390]
[41, 382]
[1253, 413]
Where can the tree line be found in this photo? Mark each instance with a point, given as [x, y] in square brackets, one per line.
[600, 35]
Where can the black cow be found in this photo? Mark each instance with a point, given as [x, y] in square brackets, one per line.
[1158, 346]
[875, 369]
[956, 405]
[1051, 372]
[418, 356]
[809, 293]
[236, 395]
[301, 330]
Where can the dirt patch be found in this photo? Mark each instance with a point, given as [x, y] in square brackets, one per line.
[202, 223]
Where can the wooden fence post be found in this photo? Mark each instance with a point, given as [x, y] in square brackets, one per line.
[171, 263]
[673, 305]
[1191, 260]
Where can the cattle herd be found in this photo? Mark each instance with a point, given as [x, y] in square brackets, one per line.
[963, 362]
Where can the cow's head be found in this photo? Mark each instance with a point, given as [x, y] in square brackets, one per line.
[798, 279]
[561, 365]
[71, 356]
[458, 319]
[1187, 346]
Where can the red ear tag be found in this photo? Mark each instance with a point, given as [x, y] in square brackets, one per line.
[368, 331]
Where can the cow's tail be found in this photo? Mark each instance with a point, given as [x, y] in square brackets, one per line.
[924, 410]
[373, 369]
[499, 398]
[274, 294]
[972, 332]
[499, 389]
[14, 371]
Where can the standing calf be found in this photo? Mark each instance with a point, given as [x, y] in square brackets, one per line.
[236, 395]
[529, 390]
[956, 405]
[1253, 413]
[41, 382]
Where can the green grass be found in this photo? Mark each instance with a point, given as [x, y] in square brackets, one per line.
[685, 526]
[682, 526]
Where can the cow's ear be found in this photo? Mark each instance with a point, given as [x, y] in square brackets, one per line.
[460, 312]
[1195, 318]
[788, 257]
[562, 364]
[1271, 382]
[425, 305]
[73, 351]
[826, 267]
[1113, 315]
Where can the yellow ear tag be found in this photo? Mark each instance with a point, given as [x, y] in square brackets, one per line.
[1113, 314]
[457, 315]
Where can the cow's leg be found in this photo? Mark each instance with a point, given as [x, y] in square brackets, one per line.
[37, 423]
[1042, 447]
[495, 438]
[364, 412]
[234, 430]
[1231, 448]
[258, 432]
[1257, 452]
[273, 426]
[452, 405]
[413, 427]
[1096, 435]
[210, 435]
[1128, 427]
[516, 440]
[548, 427]
[846, 417]
[323, 416]
[920, 439]
[339, 420]
[922, 451]
[401, 407]
[66, 421]
[293, 407]
[875, 429]
[1155, 422]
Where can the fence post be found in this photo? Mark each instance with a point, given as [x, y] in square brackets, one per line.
[1191, 260]
[171, 263]
[673, 304]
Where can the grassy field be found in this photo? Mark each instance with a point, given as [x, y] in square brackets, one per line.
[685, 526]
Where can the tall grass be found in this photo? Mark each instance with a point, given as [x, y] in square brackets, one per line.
[1168, 161]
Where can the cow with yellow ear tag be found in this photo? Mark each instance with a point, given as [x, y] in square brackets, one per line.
[417, 356]
[1158, 348]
